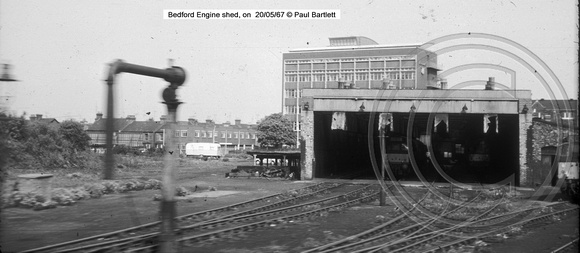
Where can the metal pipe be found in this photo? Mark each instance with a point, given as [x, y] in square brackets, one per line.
[168, 204]
[176, 77]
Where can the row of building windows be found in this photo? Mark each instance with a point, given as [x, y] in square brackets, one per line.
[362, 60]
[180, 133]
[345, 71]
[292, 93]
[408, 75]
[291, 109]
[211, 134]
[137, 137]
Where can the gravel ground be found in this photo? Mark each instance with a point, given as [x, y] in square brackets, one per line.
[25, 229]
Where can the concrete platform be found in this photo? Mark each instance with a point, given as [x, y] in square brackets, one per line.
[208, 194]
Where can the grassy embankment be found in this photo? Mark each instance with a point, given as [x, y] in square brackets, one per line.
[131, 173]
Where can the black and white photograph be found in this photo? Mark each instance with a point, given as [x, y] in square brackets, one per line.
[289, 126]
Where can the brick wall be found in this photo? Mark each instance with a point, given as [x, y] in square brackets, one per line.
[307, 145]
[538, 135]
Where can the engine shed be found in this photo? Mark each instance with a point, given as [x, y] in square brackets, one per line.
[468, 135]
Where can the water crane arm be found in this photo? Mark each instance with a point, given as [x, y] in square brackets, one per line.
[174, 75]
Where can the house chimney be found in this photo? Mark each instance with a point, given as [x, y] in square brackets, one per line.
[192, 121]
[209, 121]
[163, 119]
[443, 82]
[131, 117]
[238, 122]
[99, 116]
[33, 117]
[38, 116]
[490, 84]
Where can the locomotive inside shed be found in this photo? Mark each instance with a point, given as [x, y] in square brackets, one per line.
[468, 148]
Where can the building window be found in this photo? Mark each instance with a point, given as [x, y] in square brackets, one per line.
[183, 133]
[290, 93]
[290, 78]
[223, 134]
[210, 134]
[376, 76]
[176, 133]
[304, 78]
[146, 137]
[159, 136]
[254, 136]
[236, 135]
[408, 75]
[332, 77]
[291, 109]
[319, 78]
[204, 134]
[229, 135]
[362, 76]
[197, 134]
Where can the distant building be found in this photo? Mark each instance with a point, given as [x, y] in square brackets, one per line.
[147, 134]
[39, 118]
[555, 110]
[152, 134]
[97, 131]
[230, 136]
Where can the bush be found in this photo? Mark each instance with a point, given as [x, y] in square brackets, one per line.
[37, 145]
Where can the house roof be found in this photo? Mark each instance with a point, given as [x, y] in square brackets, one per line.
[558, 104]
[101, 125]
[125, 125]
[143, 126]
[48, 120]
[210, 126]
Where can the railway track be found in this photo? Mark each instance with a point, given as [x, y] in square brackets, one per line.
[197, 216]
[226, 222]
[441, 236]
[397, 226]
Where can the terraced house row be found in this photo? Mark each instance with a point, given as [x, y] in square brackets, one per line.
[152, 134]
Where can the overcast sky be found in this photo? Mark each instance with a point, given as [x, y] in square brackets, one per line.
[59, 49]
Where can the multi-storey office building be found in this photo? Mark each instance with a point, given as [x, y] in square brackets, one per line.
[354, 62]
